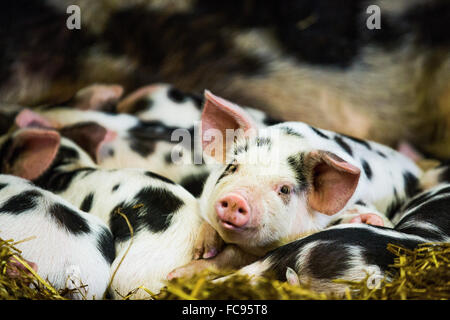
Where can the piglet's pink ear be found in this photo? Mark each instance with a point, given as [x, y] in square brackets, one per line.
[97, 97]
[28, 118]
[333, 182]
[218, 117]
[31, 152]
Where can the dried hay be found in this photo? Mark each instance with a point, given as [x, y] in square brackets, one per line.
[423, 273]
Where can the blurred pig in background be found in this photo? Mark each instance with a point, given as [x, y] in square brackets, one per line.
[314, 61]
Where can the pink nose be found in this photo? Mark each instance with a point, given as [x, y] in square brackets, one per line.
[233, 210]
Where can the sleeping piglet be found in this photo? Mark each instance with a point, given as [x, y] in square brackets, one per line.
[67, 247]
[162, 215]
[273, 185]
[131, 142]
[174, 107]
[156, 134]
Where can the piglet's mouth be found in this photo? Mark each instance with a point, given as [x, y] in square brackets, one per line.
[229, 225]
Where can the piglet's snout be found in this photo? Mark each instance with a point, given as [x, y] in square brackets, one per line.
[233, 210]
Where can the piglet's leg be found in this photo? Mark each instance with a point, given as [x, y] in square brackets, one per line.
[14, 268]
[368, 218]
[364, 214]
[208, 243]
[229, 259]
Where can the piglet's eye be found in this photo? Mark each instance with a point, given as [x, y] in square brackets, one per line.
[285, 189]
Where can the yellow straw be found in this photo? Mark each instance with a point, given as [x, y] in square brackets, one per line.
[45, 283]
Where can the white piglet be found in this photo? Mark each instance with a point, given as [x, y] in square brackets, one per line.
[276, 184]
[129, 142]
[291, 178]
[69, 248]
[355, 251]
[158, 132]
[154, 221]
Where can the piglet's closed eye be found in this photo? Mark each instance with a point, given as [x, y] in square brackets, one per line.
[333, 182]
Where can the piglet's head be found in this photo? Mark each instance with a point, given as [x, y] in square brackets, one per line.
[272, 186]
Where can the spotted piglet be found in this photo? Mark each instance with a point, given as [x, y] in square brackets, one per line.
[170, 105]
[356, 251]
[155, 129]
[273, 185]
[131, 142]
[68, 247]
[162, 215]
[163, 102]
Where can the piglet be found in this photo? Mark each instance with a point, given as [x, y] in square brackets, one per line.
[269, 186]
[154, 221]
[174, 107]
[290, 179]
[65, 246]
[154, 130]
[356, 251]
[131, 142]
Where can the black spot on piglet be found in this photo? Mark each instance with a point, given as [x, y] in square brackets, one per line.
[59, 181]
[343, 145]
[21, 202]
[86, 205]
[105, 243]
[159, 177]
[69, 219]
[152, 209]
[140, 105]
[176, 95]
[320, 257]
[411, 184]
[194, 183]
[357, 140]
[319, 133]
[291, 132]
[296, 162]
[367, 169]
